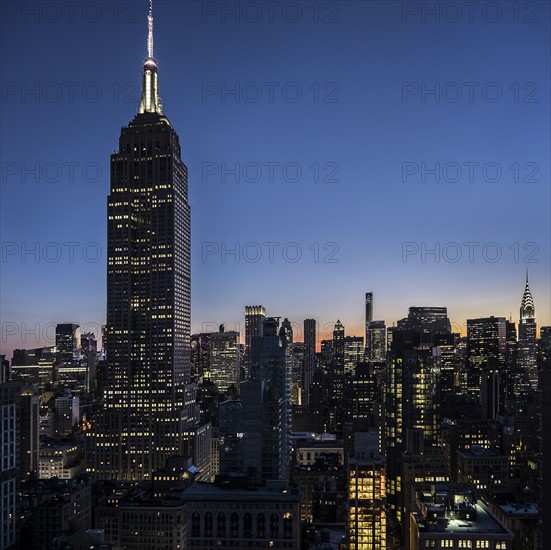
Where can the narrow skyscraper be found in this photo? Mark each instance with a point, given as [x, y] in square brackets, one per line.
[368, 313]
[309, 357]
[148, 296]
[527, 350]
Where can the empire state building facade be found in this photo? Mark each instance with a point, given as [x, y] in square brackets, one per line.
[148, 395]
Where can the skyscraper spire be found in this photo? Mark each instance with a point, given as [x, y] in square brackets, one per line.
[150, 31]
[527, 308]
[150, 102]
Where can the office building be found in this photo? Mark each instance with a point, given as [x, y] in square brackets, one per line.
[147, 398]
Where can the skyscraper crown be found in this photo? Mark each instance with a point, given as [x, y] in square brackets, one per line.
[527, 308]
[150, 102]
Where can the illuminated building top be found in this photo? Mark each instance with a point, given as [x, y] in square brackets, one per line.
[150, 102]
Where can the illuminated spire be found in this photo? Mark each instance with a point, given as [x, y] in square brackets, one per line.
[150, 31]
[527, 308]
[150, 102]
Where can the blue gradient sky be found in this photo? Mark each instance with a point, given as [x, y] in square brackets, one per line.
[368, 132]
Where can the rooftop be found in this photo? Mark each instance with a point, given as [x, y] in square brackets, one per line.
[519, 509]
[452, 508]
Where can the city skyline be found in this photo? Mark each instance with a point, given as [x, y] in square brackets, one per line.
[370, 244]
[44, 335]
[315, 354]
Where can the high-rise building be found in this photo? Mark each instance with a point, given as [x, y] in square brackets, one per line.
[69, 369]
[486, 342]
[287, 325]
[5, 372]
[10, 425]
[411, 404]
[309, 357]
[200, 356]
[255, 429]
[353, 352]
[427, 321]
[67, 409]
[296, 350]
[29, 430]
[254, 320]
[148, 395]
[368, 313]
[544, 441]
[366, 526]
[89, 357]
[225, 352]
[34, 366]
[527, 350]
[376, 341]
[272, 367]
[337, 362]
[67, 342]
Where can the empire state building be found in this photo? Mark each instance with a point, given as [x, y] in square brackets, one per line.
[147, 379]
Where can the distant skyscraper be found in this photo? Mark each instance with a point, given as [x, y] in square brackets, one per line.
[200, 356]
[148, 296]
[337, 362]
[29, 432]
[490, 393]
[427, 321]
[255, 429]
[486, 346]
[309, 357]
[527, 350]
[286, 324]
[368, 311]
[5, 372]
[376, 341]
[225, 359]
[89, 350]
[353, 352]
[272, 367]
[67, 342]
[34, 366]
[254, 319]
[69, 371]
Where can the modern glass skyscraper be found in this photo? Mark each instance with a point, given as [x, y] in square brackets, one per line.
[148, 296]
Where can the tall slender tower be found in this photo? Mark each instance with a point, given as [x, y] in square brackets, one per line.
[368, 315]
[148, 296]
[309, 357]
[527, 350]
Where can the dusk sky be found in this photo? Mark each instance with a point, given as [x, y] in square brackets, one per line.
[338, 122]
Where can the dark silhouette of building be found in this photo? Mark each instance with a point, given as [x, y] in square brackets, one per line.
[149, 403]
[309, 358]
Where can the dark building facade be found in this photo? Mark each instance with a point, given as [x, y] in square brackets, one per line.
[309, 358]
[486, 346]
[148, 296]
